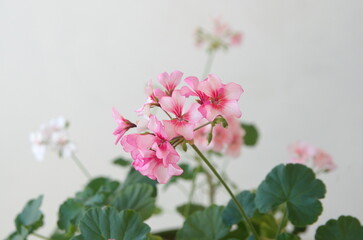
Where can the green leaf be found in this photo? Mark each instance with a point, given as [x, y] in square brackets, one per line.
[204, 225]
[138, 197]
[107, 223]
[251, 134]
[19, 235]
[265, 224]
[29, 220]
[31, 217]
[287, 236]
[97, 192]
[295, 185]
[231, 214]
[187, 209]
[120, 161]
[70, 213]
[134, 177]
[241, 233]
[345, 228]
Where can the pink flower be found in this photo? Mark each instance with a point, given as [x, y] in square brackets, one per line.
[235, 39]
[302, 151]
[184, 122]
[220, 28]
[153, 155]
[223, 98]
[148, 164]
[236, 140]
[170, 82]
[123, 125]
[225, 140]
[323, 161]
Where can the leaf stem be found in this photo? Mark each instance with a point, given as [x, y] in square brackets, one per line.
[201, 126]
[81, 166]
[283, 221]
[40, 236]
[244, 215]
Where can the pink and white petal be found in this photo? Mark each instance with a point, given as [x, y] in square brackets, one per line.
[164, 174]
[163, 79]
[170, 128]
[175, 78]
[230, 109]
[192, 82]
[232, 91]
[167, 104]
[193, 115]
[116, 115]
[185, 129]
[187, 92]
[211, 85]
[210, 111]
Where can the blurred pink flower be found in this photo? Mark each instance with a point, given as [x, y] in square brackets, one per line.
[235, 39]
[307, 154]
[323, 161]
[302, 151]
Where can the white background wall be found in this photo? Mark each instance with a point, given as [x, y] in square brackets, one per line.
[300, 66]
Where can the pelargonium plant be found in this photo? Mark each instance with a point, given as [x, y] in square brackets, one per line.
[184, 123]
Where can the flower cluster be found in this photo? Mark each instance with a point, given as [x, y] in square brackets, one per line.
[305, 153]
[54, 135]
[221, 37]
[153, 147]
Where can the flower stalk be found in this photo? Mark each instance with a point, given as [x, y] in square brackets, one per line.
[243, 213]
[81, 166]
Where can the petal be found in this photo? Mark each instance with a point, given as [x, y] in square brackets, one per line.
[169, 128]
[211, 85]
[230, 108]
[193, 115]
[184, 129]
[232, 91]
[164, 79]
[192, 82]
[175, 78]
[210, 111]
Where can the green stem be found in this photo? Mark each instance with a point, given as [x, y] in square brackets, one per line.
[244, 215]
[191, 194]
[208, 65]
[282, 223]
[81, 166]
[40, 236]
[201, 126]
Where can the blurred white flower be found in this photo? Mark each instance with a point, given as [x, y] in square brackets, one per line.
[53, 135]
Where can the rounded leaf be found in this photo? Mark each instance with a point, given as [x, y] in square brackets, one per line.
[345, 228]
[204, 225]
[231, 214]
[295, 185]
[107, 223]
[138, 197]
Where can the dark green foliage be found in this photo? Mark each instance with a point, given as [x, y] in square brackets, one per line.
[231, 214]
[204, 225]
[295, 185]
[345, 228]
[251, 134]
[108, 223]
